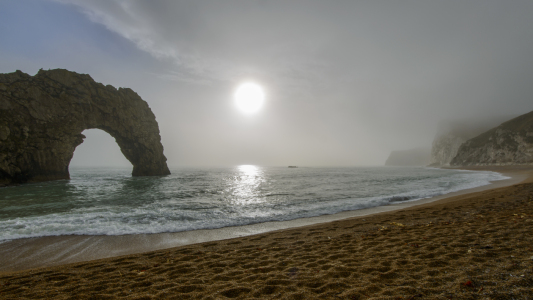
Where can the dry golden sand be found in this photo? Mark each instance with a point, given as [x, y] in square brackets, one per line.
[475, 246]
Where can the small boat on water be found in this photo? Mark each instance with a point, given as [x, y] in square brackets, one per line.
[293, 166]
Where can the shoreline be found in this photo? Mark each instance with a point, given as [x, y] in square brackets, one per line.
[30, 253]
[474, 245]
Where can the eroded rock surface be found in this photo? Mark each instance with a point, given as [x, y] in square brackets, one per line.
[444, 148]
[511, 143]
[453, 133]
[42, 117]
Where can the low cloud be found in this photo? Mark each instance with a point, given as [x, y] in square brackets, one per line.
[364, 77]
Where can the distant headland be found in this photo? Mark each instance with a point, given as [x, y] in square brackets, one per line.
[495, 141]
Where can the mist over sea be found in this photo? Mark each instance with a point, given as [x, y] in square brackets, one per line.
[106, 201]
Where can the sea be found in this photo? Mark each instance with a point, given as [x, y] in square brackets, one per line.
[109, 201]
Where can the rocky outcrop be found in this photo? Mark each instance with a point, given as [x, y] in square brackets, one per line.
[511, 143]
[452, 134]
[412, 157]
[444, 149]
[42, 117]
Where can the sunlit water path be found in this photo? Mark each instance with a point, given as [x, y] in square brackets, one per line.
[102, 201]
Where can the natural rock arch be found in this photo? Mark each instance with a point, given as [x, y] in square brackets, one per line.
[42, 117]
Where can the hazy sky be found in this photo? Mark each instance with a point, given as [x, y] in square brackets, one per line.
[346, 82]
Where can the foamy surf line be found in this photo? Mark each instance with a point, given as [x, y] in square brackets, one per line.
[30, 253]
[107, 220]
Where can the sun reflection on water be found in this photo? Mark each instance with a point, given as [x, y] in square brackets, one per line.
[247, 183]
[248, 169]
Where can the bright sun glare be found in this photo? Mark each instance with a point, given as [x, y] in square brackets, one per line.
[249, 97]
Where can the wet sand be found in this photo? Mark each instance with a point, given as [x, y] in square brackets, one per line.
[473, 245]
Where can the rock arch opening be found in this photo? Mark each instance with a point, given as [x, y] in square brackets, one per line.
[99, 149]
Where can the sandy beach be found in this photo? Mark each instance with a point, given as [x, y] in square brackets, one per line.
[474, 244]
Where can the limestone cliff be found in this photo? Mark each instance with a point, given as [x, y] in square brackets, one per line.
[453, 133]
[444, 149]
[511, 143]
[411, 157]
[42, 117]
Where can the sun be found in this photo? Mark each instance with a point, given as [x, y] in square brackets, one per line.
[249, 97]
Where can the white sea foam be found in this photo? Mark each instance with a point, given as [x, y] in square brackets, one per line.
[109, 202]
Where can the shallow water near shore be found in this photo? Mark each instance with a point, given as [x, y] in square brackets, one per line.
[104, 201]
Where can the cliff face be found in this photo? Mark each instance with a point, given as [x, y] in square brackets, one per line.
[411, 157]
[444, 149]
[42, 117]
[511, 143]
[452, 134]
